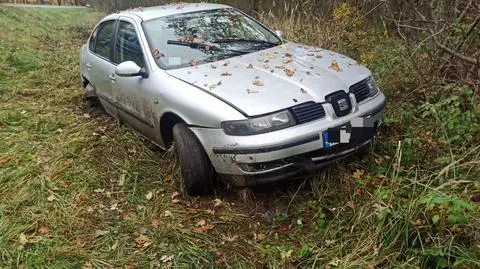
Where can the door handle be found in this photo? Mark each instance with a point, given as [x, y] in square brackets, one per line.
[89, 66]
[112, 77]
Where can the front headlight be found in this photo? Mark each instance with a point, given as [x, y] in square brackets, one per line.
[372, 85]
[265, 124]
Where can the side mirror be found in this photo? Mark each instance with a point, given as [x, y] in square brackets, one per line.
[130, 69]
[279, 34]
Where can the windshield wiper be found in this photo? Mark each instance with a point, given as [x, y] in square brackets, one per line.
[203, 46]
[233, 40]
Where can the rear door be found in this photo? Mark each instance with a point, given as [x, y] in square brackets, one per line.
[100, 65]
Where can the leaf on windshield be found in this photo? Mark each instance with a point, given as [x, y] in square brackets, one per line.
[193, 62]
[258, 83]
[318, 56]
[250, 66]
[280, 67]
[226, 63]
[289, 72]
[335, 66]
[288, 55]
[157, 54]
[198, 39]
[226, 74]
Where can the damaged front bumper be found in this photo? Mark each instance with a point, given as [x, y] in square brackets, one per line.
[270, 157]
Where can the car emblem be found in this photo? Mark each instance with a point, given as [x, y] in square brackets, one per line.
[342, 104]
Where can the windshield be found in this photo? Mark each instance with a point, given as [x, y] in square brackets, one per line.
[194, 38]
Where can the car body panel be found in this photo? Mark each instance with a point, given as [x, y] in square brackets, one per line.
[276, 78]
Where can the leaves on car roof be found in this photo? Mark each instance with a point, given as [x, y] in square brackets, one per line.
[252, 91]
[249, 66]
[226, 74]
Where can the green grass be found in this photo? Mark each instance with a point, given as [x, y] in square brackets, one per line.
[78, 189]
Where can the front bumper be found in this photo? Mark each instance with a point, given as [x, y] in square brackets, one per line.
[269, 157]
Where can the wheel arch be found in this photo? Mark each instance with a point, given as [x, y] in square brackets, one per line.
[167, 121]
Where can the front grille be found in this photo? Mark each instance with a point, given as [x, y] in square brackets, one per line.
[340, 102]
[361, 90]
[308, 112]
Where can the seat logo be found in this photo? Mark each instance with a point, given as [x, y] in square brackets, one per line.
[342, 104]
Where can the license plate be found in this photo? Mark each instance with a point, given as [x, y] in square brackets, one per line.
[335, 136]
[353, 133]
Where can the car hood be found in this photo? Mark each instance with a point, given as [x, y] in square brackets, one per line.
[275, 78]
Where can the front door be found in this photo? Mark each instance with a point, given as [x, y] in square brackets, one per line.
[134, 95]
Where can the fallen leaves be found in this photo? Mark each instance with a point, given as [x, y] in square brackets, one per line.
[358, 174]
[167, 258]
[252, 91]
[149, 195]
[193, 62]
[226, 74]
[250, 66]
[51, 198]
[45, 231]
[22, 239]
[289, 72]
[142, 242]
[157, 54]
[258, 83]
[213, 86]
[335, 66]
[99, 233]
[230, 239]
[260, 237]
[203, 226]
[217, 202]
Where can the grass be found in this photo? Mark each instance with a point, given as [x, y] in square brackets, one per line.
[77, 189]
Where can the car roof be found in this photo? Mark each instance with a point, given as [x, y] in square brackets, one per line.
[149, 13]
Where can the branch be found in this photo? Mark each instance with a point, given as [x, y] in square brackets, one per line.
[460, 18]
[465, 37]
[443, 47]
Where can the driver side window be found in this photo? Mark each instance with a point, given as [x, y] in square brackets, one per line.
[128, 46]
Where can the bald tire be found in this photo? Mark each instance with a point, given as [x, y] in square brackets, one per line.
[197, 171]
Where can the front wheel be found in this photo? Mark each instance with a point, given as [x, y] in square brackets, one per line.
[197, 171]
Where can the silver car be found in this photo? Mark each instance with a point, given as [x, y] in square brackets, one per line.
[240, 102]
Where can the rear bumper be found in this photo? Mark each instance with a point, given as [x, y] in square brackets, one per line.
[285, 153]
